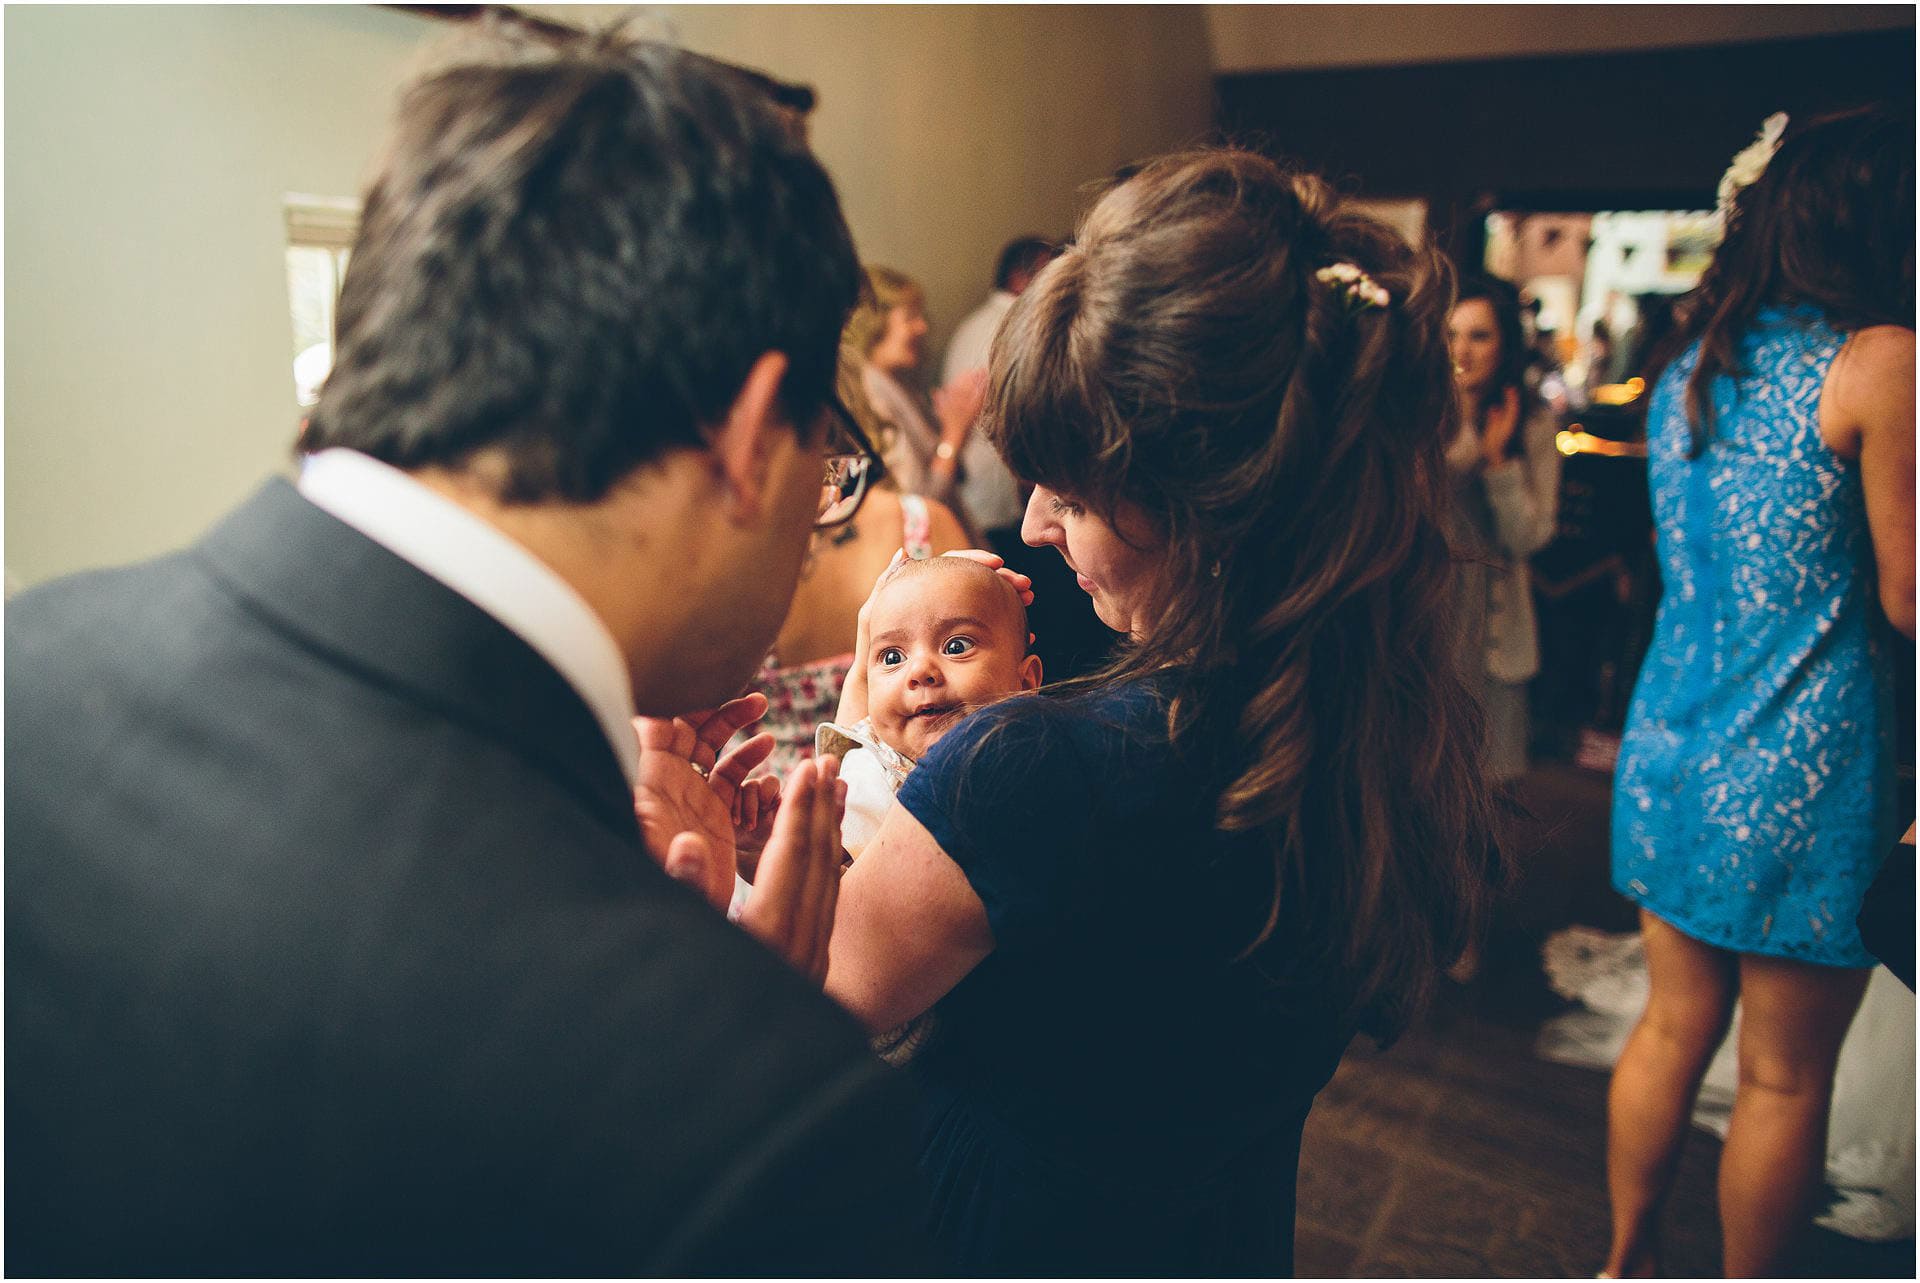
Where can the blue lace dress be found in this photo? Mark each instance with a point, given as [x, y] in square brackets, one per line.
[1755, 794]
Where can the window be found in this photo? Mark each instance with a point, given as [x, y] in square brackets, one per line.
[1601, 286]
[320, 234]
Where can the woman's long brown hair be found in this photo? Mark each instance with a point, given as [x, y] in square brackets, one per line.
[1829, 224]
[1184, 359]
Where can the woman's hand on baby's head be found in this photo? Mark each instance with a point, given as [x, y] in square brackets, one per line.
[1022, 584]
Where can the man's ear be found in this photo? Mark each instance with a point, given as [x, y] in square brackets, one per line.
[745, 438]
[1030, 673]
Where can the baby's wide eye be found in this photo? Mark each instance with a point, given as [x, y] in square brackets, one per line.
[892, 655]
[957, 646]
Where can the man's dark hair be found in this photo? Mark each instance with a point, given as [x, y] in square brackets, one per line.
[785, 93]
[575, 256]
[1025, 254]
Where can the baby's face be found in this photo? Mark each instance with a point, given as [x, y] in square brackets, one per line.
[942, 645]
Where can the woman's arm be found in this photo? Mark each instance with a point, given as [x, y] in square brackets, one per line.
[1524, 493]
[1871, 417]
[908, 928]
[944, 531]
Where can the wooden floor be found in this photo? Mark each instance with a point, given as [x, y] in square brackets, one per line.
[1458, 1153]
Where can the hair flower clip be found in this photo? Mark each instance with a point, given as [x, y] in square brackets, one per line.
[1358, 289]
[1750, 163]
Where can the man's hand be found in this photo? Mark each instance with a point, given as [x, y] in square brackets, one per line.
[687, 795]
[790, 909]
[691, 800]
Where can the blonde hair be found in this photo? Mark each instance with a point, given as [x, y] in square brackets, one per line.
[885, 290]
[852, 389]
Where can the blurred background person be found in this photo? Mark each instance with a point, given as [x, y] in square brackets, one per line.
[1756, 792]
[922, 438]
[1506, 474]
[988, 488]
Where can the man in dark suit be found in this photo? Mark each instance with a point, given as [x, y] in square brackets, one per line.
[333, 945]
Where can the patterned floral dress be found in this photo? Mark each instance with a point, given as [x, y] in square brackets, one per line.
[1755, 795]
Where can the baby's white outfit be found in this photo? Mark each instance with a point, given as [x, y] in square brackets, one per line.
[874, 771]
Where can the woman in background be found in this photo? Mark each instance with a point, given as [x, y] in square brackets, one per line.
[923, 440]
[1507, 485]
[1756, 791]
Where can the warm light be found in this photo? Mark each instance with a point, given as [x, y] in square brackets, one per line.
[1619, 393]
[1576, 441]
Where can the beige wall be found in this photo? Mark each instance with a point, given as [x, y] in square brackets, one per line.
[148, 346]
[148, 384]
[1297, 36]
[952, 128]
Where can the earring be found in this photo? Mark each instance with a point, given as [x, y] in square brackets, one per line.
[1215, 572]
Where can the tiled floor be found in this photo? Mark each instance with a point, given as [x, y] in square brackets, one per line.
[1458, 1153]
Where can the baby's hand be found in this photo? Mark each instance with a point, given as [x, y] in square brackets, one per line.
[1022, 584]
[754, 808]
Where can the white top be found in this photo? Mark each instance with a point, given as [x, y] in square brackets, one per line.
[973, 338]
[873, 769]
[490, 570]
[987, 488]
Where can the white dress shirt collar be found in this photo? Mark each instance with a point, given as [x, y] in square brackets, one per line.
[490, 570]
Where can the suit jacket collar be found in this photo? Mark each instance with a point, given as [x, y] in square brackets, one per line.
[333, 590]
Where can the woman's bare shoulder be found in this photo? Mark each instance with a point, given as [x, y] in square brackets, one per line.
[1869, 388]
[944, 531]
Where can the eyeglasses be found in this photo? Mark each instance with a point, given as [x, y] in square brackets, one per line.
[850, 464]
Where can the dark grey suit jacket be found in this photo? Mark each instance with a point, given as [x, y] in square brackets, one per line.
[332, 948]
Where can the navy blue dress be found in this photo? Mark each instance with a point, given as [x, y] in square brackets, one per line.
[1109, 1093]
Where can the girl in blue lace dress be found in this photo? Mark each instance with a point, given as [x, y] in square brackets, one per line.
[1756, 792]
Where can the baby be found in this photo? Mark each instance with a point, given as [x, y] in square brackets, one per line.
[938, 639]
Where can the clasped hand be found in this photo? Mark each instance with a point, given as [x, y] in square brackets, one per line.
[698, 811]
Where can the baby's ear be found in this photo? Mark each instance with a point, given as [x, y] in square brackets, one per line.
[1030, 673]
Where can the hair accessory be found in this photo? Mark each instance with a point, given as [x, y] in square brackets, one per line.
[1750, 163]
[1360, 290]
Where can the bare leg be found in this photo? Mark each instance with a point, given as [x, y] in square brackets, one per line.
[1690, 999]
[1793, 1016]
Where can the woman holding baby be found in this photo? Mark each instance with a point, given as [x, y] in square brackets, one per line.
[1154, 905]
